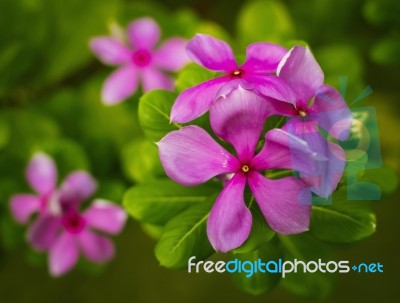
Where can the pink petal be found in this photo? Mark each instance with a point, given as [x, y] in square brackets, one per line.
[110, 50]
[273, 87]
[263, 57]
[211, 53]
[23, 206]
[300, 69]
[43, 232]
[63, 255]
[41, 174]
[195, 101]
[332, 112]
[77, 187]
[190, 156]
[285, 203]
[283, 150]
[105, 216]
[120, 85]
[155, 79]
[239, 119]
[230, 221]
[95, 247]
[172, 54]
[143, 33]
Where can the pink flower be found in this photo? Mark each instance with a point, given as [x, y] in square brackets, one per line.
[327, 111]
[190, 156]
[255, 73]
[139, 61]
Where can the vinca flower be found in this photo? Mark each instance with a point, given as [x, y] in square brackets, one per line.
[139, 60]
[317, 106]
[255, 73]
[190, 156]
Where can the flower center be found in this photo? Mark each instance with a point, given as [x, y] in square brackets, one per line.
[302, 113]
[141, 58]
[245, 168]
[73, 222]
[237, 73]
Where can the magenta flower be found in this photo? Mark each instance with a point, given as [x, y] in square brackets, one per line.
[255, 73]
[327, 111]
[190, 156]
[138, 60]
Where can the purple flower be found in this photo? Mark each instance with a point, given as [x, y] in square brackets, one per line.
[327, 111]
[255, 73]
[138, 60]
[190, 156]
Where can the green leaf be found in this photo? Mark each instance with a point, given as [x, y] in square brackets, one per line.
[185, 236]
[259, 282]
[344, 221]
[304, 247]
[154, 114]
[265, 20]
[260, 233]
[192, 75]
[158, 201]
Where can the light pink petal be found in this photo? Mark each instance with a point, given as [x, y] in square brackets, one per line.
[302, 72]
[285, 203]
[212, 53]
[190, 156]
[41, 174]
[110, 50]
[120, 85]
[273, 87]
[43, 232]
[172, 54]
[63, 255]
[77, 187]
[332, 112]
[23, 206]
[263, 57]
[239, 119]
[282, 150]
[105, 216]
[143, 33]
[230, 221]
[95, 247]
[155, 79]
[195, 101]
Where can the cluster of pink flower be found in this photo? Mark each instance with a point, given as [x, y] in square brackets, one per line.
[59, 227]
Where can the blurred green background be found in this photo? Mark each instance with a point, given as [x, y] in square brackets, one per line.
[50, 100]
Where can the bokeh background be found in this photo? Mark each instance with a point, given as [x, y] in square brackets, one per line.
[50, 100]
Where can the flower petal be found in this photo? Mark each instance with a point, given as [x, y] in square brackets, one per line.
[283, 150]
[41, 174]
[155, 79]
[285, 203]
[195, 101]
[110, 50]
[63, 255]
[332, 112]
[263, 57]
[172, 54]
[300, 69]
[23, 206]
[328, 174]
[230, 221]
[239, 119]
[190, 156]
[95, 247]
[120, 85]
[105, 216]
[77, 187]
[43, 232]
[211, 53]
[143, 33]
